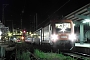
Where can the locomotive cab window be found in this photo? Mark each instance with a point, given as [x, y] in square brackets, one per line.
[63, 27]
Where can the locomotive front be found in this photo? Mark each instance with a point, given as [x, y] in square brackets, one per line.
[63, 34]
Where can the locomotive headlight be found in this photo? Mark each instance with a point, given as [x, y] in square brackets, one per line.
[72, 37]
[54, 37]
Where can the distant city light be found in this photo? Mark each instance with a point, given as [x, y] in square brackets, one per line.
[0, 32]
[9, 34]
[24, 31]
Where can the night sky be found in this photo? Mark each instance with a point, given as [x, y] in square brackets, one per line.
[45, 10]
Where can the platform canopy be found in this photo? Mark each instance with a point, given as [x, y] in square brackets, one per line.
[80, 14]
[81, 18]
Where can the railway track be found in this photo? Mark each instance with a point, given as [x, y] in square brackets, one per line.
[75, 55]
[78, 56]
[86, 55]
[33, 57]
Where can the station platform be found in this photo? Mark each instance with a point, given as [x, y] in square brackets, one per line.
[82, 45]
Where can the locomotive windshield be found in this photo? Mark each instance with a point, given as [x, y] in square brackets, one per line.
[63, 27]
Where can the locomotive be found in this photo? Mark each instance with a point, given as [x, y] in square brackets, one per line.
[57, 33]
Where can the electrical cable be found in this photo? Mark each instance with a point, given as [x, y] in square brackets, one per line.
[55, 12]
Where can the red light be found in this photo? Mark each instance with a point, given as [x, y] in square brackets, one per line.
[24, 31]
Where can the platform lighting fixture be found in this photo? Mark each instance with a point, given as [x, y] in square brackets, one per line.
[30, 32]
[74, 24]
[87, 21]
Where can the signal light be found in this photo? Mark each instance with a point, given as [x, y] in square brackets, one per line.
[24, 31]
[22, 37]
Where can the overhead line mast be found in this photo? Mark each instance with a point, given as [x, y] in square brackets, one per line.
[22, 16]
[3, 19]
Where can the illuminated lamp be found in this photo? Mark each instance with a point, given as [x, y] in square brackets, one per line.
[74, 24]
[24, 31]
[86, 20]
[72, 37]
[22, 37]
[0, 32]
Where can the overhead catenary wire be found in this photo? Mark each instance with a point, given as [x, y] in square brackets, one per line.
[54, 12]
[22, 16]
[52, 6]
